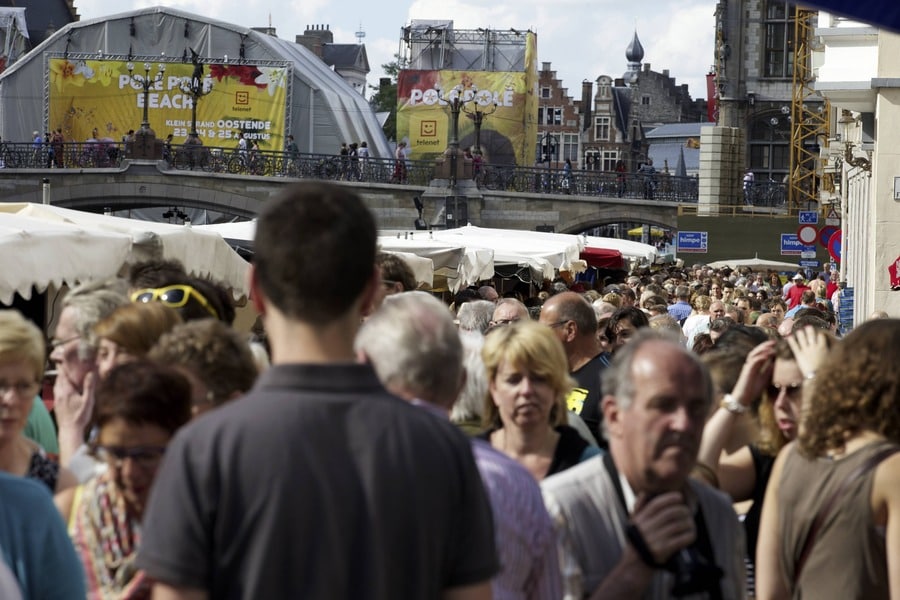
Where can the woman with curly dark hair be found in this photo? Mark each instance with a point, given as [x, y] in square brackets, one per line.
[831, 523]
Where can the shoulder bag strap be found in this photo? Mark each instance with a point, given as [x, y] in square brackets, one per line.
[866, 466]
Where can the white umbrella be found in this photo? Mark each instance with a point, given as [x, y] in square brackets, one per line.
[754, 264]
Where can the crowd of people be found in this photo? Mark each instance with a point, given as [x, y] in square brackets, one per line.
[673, 433]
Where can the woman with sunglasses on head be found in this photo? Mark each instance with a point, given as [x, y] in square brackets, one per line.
[831, 522]
[139, 407]
[775, 371]
[22, 360]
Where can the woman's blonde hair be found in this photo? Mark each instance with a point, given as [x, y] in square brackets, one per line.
[20, 339]
[534, 347]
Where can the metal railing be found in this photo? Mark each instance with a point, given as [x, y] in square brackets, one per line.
[770, 194]
[266, 163]
[96, 154]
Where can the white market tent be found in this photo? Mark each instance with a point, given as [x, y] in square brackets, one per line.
[324, 110]
[544, 253]
[242, 233]
[53, 245]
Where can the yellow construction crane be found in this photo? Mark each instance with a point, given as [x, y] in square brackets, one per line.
[810, 118]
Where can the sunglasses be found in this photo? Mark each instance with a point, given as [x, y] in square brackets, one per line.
[792, 391]
[146, 457]
[174, 296]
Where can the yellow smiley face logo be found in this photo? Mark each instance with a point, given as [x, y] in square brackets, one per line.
[428, 128]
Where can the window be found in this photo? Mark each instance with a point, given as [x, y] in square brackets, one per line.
[610, 157]
[645, 100]
[770, 137]
[549, 115]
[778, 29]
[570, 147]
[592, 160]
[545, 92]
[604, 87]
[601, 128]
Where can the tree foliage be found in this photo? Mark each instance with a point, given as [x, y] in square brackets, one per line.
[384, 99]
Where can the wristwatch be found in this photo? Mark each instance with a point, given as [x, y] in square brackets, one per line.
[732, 405]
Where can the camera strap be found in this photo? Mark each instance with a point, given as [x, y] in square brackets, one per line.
[702, 544]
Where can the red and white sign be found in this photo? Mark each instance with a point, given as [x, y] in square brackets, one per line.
[807, 234]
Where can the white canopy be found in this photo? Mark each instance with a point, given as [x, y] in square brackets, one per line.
[543, 253]
[458, 264]
[243, 233]
[48, 244]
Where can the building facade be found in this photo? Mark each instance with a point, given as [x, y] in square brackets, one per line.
[350, 61]
[558, 123]
[859, 74]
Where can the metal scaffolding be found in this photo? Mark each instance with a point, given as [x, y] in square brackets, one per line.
[810, 118]
[436, 45]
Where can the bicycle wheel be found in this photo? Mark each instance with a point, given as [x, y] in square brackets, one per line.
[235, 165]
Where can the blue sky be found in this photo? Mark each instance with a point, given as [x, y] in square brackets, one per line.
[582, 39]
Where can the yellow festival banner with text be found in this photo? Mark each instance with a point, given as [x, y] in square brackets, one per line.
[99, 94]
[507, 133]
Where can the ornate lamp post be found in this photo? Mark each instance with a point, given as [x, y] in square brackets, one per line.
[456, 98]
[481, 99]
[145, 138]
[196, 87]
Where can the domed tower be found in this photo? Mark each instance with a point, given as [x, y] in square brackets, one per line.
[634, 54]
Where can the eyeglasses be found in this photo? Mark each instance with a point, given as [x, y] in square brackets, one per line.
[21, 389]
[792, 391]
[54, 343]
[146, 457]
[174, 296]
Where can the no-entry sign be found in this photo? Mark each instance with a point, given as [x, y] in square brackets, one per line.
[807, 234]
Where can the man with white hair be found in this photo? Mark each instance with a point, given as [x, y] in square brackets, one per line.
[417, 354]
[633, 523]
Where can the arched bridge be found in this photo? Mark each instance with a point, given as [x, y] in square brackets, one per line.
[145, 184]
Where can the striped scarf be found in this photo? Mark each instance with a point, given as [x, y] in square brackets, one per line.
[106, 538]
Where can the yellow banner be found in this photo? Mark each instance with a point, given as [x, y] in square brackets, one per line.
[100, 99]
[503, 99]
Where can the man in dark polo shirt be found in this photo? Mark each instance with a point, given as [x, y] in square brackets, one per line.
[318, 484]
[575, 324]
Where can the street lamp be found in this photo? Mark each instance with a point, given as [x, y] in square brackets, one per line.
[483, 98]
[196, 87]
[847, 122]
[146, 82]
[455, 99]
[144, 145]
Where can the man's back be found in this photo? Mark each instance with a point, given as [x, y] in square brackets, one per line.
[319, 485]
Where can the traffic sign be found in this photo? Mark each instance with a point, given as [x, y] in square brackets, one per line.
[808, 254]
[834, 245]
[692, 241]
[810, 264]
[809, 217]
[791, 245]
[832, 218]
[807, 234]
[825, 234]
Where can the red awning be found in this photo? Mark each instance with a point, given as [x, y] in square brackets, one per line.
[603, 258]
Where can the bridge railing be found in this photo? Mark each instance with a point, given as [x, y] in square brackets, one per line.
[771, 194]
[96, 154]
[108, 154]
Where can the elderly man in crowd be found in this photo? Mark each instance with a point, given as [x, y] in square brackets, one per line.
[73, 349]
[509, 310]
[418, 355]
[318, 483]
[632, 523]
